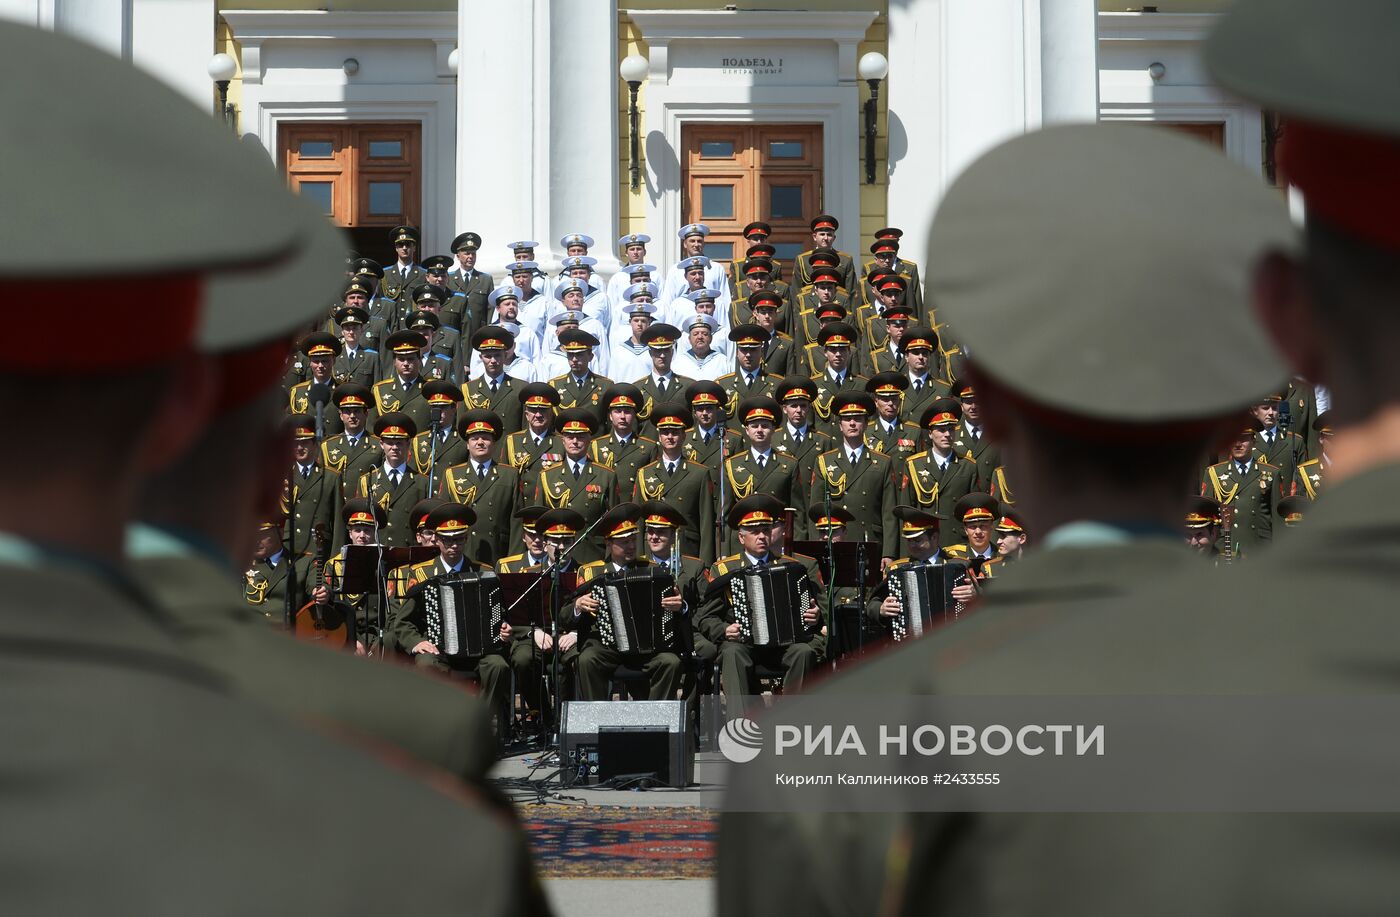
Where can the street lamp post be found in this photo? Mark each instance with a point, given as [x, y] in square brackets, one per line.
[873, 68]
[222, 67]
[633, 70]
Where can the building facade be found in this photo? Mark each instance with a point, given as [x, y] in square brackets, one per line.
[509, 118]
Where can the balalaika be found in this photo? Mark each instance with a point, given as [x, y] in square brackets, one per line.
[463, 614]
[630, 616]
[925, 596]
[768, 603]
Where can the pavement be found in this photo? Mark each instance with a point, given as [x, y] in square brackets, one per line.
[704, 792]
[625, 897]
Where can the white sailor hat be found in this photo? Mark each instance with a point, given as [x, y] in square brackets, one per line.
[696, 261]
[638, 308]
[566, 316]
[505, 290]
[702, 295]
[694, 229]
[699, 318]
[576, 238]
[636, 238]
[517, 267]
[568, 285]
[635, 269]
[574, 261]
[646, 287]
[523, 246]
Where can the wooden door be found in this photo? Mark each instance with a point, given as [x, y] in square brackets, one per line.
[1211, 132]
[367, 177]
[738, 173]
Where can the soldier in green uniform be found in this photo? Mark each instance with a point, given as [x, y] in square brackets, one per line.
[439, 447]
[750, 378]
[495, 390]
[919, 345]
[393, 484]
[489, 487]
[401, 279]
[597, 660]
[661, 527]
[757, 468]
[622, 448]
[919, 530]
[272, 573]
[1298, 412]
[680, 483]
[313, 491]
[824, 228]
[437, 360]
[1107, 499]
[1251, 487]
[976, 515]
[580, 387]
[883, 350]
[1010, 535]
[780, 353]
[758, 276]
[758, 519]
[319, 349]
[938, 478]
[710, 436]
[1309, 477]
[885, 258]
[358, 361]
[402, 391]
[475, 286]
[1283, 449]
[837, 342]
[577, 482]
[797, 436]
[537, 443]
[889, 431]
[856, 477]
[414, 633]
[362, 521]
[354, 451]
[815, 305]
[1203, 527]
[661, 385]
[969, 441]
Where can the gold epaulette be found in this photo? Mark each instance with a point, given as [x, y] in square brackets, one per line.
[590, 570]
[550, 466]
[957, 551]
[724, 563]
[503, 565]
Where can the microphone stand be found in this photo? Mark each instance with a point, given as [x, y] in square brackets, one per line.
[552, 571]
[721, 525]
[830, 567]
[435, 422]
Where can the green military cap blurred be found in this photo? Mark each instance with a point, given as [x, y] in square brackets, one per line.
[1203, 512]
[1144, 238]
[422, 511]
[361, 511]
[320, 344]
[977, 507]
[480, 420]
[853, 404]
[1329, 63]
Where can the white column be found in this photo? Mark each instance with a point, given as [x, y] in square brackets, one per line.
[105, 23]
[1069, 61]
[499, 128]
[174, 41]
[582, 181]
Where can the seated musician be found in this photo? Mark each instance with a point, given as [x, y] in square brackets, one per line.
[362, 522]
[451, 524]
[265, 581]
[1203, 526]
[596, 660]
[526, 654]
[396, 586]
[558, 529]
[759, 522]
[919, 529]
[661, 524]
[977, 512]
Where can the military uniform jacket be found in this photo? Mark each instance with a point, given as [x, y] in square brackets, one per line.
[504, 399]
[587, 394]
[866, 490]
[400, 284]
[437, 368]
[674, 392]
[779, 357]
[880, 359]
[845, 269]
[716, 611]
[350, 462]
[923, 484]
[736, 384]
[474, 289]
[916, 399]
[1307, 480]
[362, 368]
[690, 491]
[904, 441]
[590, 494]
[813, 444]
[265, 586]
[1286, 452]
[827, 389]
[430, 462]
[377, 487]
[1254, 497]
[623, 458]
[299, 403]
[707, 453]
[389, 395]
[522, 453]
[981, 451]
[804, 308]
[1300, 403]
[741, 314]
[315, 500]
[913, 291]
[495, 499]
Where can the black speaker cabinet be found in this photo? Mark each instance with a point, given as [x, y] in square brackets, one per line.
[602, 740]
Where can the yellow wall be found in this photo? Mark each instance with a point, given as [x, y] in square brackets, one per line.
[873, 198]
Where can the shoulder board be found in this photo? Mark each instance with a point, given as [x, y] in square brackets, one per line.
[878, 453]
[551, 466]
[957, 551]
[690, 557]
[901, 560]
[305, 384]
[424, 566]
[512, 558]
[562, 378]
[784, 336]
[806, 253]
[726, 376]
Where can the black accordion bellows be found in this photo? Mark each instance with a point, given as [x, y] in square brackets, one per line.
[768, 603]
[463, 614]
[630, 617]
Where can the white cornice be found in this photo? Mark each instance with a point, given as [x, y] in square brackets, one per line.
[1188, 27]
[252, 28]
[661, 27]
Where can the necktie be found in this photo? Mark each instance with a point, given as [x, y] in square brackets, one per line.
[918, 385]
[481, 472]
[853, 457]
[762, 462]
[578, 471]
[493, 386]
[976, 433]
[1244, 468]
[797, 437]
[1269, 437]
[707, 439]
[394, 477]
[670, 469]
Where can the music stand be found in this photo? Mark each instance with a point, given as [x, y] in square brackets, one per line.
[367, 567]
[852, 565]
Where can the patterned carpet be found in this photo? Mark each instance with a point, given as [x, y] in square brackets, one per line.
[612, 842]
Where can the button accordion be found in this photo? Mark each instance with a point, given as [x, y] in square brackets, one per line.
[925, 596]
[630, 616]
[768, 603]
[463, 614]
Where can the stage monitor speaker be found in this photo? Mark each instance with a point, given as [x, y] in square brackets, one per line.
[603, 740]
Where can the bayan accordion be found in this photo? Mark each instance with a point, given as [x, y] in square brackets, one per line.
[630, 617]
[768, 603]
[463, 614]
[925, 596]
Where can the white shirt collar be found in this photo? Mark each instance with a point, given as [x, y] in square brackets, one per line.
[401, 469]
[756, 454]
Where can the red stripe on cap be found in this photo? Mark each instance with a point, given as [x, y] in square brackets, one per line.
[1350, 179]
[246, 374]
[169, 304]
